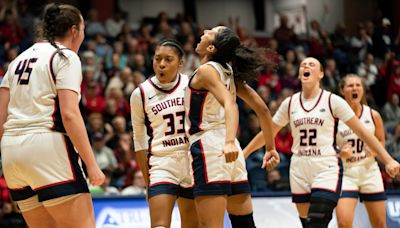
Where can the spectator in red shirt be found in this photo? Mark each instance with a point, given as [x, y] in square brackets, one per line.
[92, 101]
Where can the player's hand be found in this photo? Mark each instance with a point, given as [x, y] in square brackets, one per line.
[346, 151]
[231, 152]
[271, 160]
[96, 176]
[392, 168]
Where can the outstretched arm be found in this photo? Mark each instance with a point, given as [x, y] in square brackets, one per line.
[392, 166]
[255, 102]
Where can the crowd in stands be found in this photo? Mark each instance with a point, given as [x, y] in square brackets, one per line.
[116, 57]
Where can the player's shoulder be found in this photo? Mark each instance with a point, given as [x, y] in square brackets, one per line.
[374, 113]
[184, 78]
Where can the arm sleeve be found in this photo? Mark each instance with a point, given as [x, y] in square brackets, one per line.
[68, 71]
[340, 108]
[140, 138]
[281, 116]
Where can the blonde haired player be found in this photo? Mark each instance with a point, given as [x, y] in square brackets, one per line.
[362, 177]
[315, 171]
[43, 125]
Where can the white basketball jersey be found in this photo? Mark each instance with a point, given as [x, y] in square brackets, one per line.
[203, 111]
[165, 116]
[33, 79]
[346, 135]
[313, 129]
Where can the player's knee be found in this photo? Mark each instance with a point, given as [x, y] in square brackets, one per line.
[344, 221]
[320, 212]
[242, 221]
[378, 222]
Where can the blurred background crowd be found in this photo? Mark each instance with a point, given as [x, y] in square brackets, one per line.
[117, 56]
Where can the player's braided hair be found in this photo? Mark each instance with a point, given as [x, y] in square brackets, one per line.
[57, 20]
[246, 61]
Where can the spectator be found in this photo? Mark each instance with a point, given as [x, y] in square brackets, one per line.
[368, 70]
[394, 80]
[284, 35]
[95, 123]
[382, 39]
[114, 24]
[126, 159]
[331, 77]
[341, 46]
[11, 217]
[105, 157]
[361, 43]
[393, 143]
[391, 112]
[124, 81]
[93, 25]
[191, 60]
[289, 79]
[10, 30]
[265, 93]
[275, 183]
[119, 128]
[121, 103]
[138, 185]
[92, 101]
[118, 48]
[105, 189]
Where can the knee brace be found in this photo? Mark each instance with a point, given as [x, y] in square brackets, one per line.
[320, 212]
[303, 222]
[242, 221]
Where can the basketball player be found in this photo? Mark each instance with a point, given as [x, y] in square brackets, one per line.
[161, 145]
[315, 171]
[211, 123]
[43, 126]
[362, 177]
